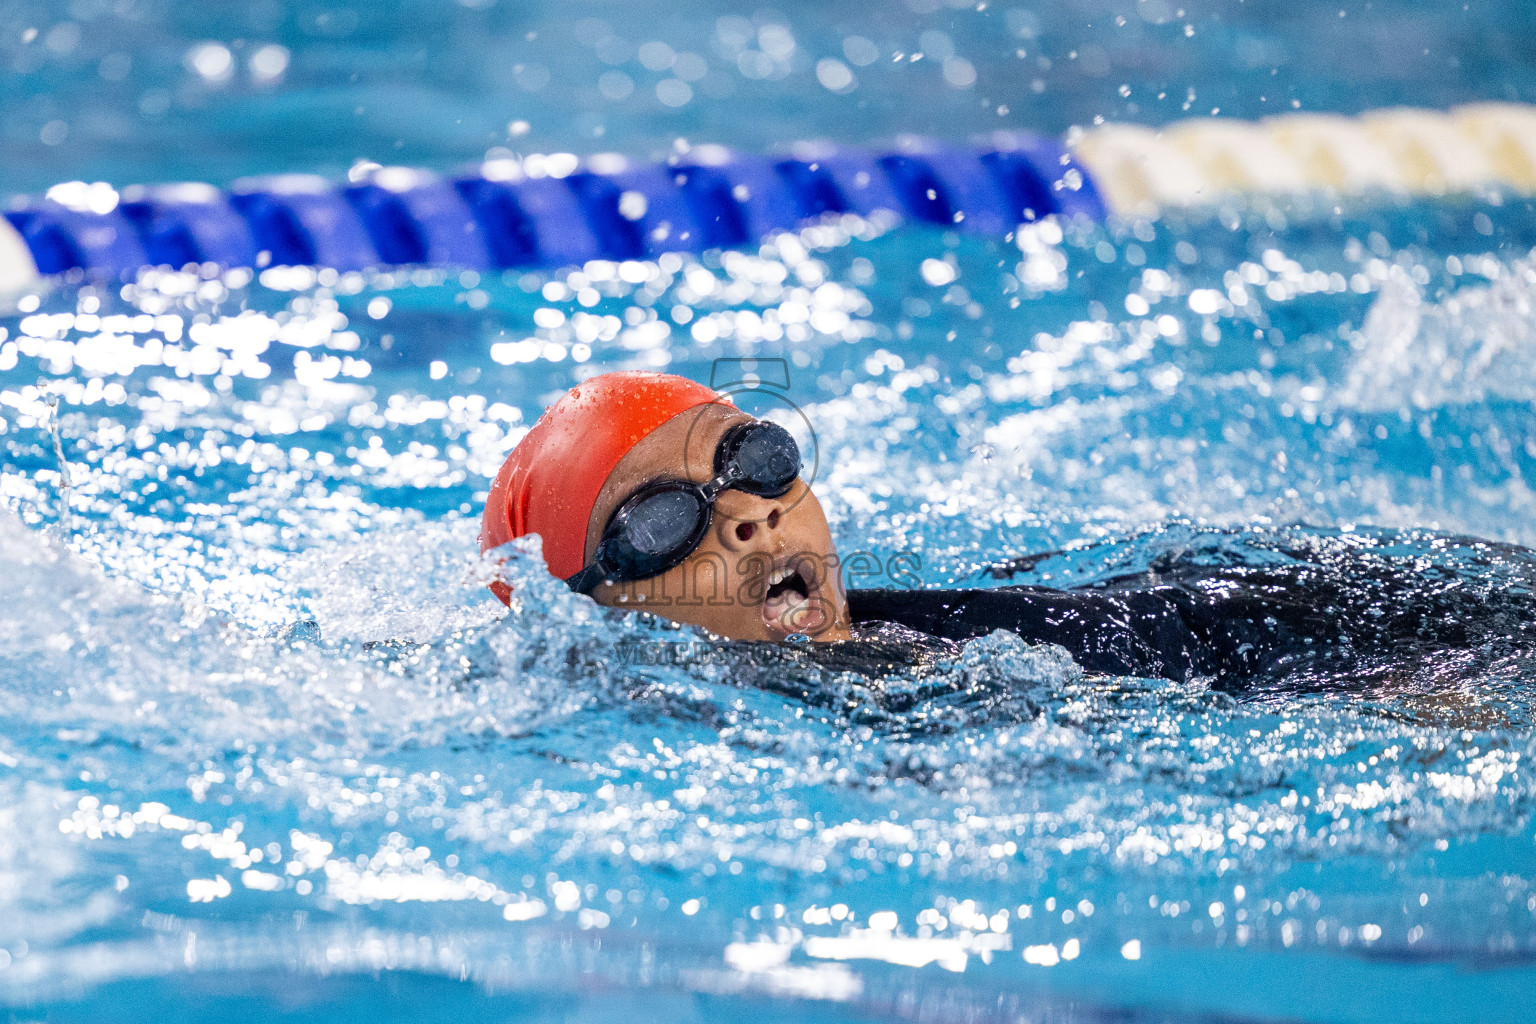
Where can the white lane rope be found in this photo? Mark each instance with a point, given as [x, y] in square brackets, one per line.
[1469, 149]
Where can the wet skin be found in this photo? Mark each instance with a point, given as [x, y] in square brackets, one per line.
[766, 569]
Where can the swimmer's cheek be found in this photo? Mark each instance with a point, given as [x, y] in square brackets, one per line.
[753, 570]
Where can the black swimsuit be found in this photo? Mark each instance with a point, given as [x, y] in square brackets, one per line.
[1136, 633]
[1314, 618]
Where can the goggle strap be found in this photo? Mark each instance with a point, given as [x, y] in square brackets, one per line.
[586, 581]
[716, 487]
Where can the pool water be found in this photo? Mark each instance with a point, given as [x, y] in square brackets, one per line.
[268, 744]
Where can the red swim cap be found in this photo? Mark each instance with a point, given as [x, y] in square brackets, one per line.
[550, 482]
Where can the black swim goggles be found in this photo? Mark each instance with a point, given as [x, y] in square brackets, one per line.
[664, 522]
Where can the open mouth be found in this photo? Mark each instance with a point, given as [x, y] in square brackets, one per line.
[788, 606]
[786, 582]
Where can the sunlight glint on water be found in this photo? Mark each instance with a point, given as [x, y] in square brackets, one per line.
[261, 716]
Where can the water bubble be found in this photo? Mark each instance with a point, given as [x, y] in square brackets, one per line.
[860, 51]
[834, 75]
[656, 56]
[633, 205]
[959, 72]
[673, 92]
[212, 61]
[938, 273]
[776, 41]
[62, 38]
[268, 63]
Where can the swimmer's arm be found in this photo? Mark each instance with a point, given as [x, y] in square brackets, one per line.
[1123, 634]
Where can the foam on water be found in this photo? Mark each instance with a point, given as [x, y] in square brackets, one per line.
[260, 714]
[1471, 347]
[267, 746]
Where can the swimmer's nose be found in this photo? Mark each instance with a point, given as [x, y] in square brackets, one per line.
[749, 523]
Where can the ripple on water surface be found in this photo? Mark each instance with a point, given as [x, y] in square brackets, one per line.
[261, 712]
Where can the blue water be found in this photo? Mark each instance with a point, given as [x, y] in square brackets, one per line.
[266, 744]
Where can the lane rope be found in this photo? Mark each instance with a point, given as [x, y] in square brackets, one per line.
[1478, 147]
[554, 210]
[544, 210]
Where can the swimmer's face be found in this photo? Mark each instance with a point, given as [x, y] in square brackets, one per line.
[767, 567]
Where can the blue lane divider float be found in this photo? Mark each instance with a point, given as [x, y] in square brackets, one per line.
[941, 185]
[189, 223]
[736, 198]
[63, 237]
[636, 211]
[549, 211]
[415, 217]
[304, 220]
[528, 222]
[1040, 176]
[829, 179]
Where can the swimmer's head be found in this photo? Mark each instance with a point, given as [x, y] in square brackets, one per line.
[654, 493]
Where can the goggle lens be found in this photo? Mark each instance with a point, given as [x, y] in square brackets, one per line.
[661, 525]
[662, 522]
[646, 539]
[763, 458]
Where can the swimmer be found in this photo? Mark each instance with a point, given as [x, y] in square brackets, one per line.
[652, 492]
